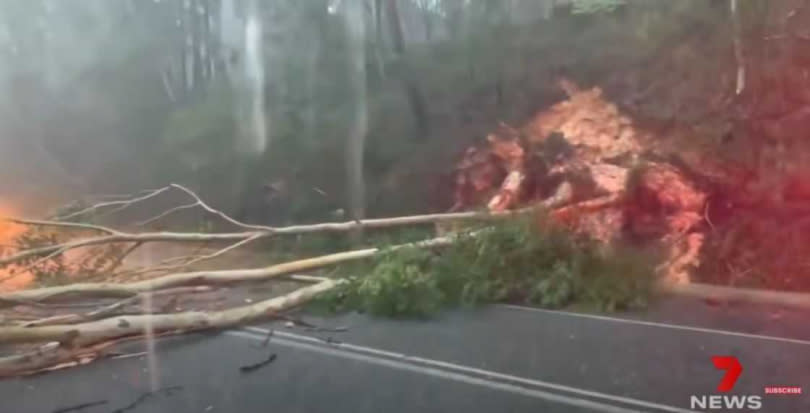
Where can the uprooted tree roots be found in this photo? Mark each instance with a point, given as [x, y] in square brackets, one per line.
[724, 217]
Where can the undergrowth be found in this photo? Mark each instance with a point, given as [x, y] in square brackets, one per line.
[514, 262]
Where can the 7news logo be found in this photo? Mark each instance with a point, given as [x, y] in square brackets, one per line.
[733, 370]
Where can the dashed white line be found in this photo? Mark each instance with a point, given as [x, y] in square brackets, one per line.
[659, 325]
[457, 372]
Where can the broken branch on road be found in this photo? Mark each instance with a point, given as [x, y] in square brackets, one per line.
[79, 407]
[256, 366]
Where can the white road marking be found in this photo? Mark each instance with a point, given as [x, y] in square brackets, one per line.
[456, 372]
[660, 325]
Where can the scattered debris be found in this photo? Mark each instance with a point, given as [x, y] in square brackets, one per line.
[127, 355]
[330, 340]
[80, 407]
[167, 391]
[292, 322]
[266, 340]
[253, 367]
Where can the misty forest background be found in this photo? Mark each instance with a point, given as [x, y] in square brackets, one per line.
[360, 106]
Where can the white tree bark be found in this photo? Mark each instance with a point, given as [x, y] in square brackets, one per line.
[70, 342]
[216, 277]
[738, 47]
[356, 33]
[118, 237]
[84, 334]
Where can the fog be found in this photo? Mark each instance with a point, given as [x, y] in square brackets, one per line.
[103, 96]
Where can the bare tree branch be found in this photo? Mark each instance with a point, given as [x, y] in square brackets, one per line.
[93, 332]
[118, 261]
[167, 213]
[110, 309]
[219, 213]
[73, 225]
[121, 204]
[268, 231]
[216, 277]
[193, 259]
[128, 237]
[53, 356]
[221, 251]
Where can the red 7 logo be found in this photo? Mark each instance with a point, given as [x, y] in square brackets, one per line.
[733, 370]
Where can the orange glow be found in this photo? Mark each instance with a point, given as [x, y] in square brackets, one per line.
[8, 232]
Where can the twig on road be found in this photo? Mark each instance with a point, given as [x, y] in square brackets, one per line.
[266, 340]
[312, 327]
[79, 407]
[253, 367]
[168, 391]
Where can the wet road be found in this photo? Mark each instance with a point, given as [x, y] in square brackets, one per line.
[497, 359]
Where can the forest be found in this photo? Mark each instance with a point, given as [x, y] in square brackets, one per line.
[181, 165]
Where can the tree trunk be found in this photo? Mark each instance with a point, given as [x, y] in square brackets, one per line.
[738, 48]
[188, 48]
[395, 27]
[378, 31]
[75, 339]
[379, 41]
[202, 278]
[196, 46]
[427, 19]
[355, 25]
[413, 94]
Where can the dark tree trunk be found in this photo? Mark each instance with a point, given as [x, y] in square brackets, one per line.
[378, 21]
[427, 20]
[396, 27]
[195, 44]
[414, 95]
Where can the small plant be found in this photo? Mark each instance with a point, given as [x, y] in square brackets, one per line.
[513, 262]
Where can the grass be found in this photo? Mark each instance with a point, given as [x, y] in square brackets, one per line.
[514, 262]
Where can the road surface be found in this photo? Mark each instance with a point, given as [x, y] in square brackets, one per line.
[495, 359]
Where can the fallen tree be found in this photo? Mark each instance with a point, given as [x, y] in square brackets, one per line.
[115, 236]
[581, 161]
[220, 277]
[75, 340]
[78, 336]
[83, 336]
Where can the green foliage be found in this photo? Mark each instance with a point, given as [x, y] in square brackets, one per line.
[401, 285]
[512, 262]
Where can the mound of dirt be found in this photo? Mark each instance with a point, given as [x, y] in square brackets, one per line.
[585, 150]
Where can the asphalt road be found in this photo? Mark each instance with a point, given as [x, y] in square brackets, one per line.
[497, 359]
